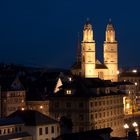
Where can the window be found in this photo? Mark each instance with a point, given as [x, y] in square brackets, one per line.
[81, 117]
[68, 92]
[52, 129]
[46, 130]
[81, 129]
[16, 129]
[96, 115]
[91, 104]
[57, 129]
[107, 102]
[107, 113]
[40, 131]
[91, 116]
[95, 103]
[8, 130]
[19, 129]
[56, 104]
[81, 105]
[4, 132]
[68, 105]
[104, 114]
[100, 115]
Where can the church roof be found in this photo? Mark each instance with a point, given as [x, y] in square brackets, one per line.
[99, 65]
[110, 26]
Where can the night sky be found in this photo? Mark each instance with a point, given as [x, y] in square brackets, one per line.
[44, 32]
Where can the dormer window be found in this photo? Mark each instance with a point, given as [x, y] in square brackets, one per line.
[68, 92]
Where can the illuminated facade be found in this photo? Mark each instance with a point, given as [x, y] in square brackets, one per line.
[90, 67]
[91, 104]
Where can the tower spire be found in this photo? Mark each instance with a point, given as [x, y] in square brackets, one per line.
[110, 21]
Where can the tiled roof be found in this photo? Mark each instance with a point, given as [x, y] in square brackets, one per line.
[15, 136]
[33, 118]
[10, 121]
[87, 135]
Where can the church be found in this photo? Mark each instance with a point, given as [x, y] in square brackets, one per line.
[87, 65]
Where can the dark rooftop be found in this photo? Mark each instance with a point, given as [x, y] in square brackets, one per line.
[32, 117]
[87, 87]
[15, 136]
[10, 121]
[88, 135]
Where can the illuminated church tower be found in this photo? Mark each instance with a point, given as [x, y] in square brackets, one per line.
[111, 53]
[88, 52]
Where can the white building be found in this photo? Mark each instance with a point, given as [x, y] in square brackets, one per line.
[38, 125]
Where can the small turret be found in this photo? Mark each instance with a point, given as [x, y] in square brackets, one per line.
[87, 32]
[110, 32]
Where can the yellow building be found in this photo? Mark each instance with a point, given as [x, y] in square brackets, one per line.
[89, 66]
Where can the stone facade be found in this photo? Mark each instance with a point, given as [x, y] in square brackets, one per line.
[89, 66]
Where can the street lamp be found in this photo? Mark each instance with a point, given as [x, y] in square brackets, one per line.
[126, 127]
[134, 71]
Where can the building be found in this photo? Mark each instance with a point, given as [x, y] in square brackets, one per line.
[13, 129]
[101, 134]
[39, 105]
[90, 103]
[40, 126]
[13, 95]
[87, 65]
[133, 91]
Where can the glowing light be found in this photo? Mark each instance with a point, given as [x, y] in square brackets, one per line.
[70, 79]
[134, 124]
[118, 72]
[41, 107]
[68, 91]
[22, 108]
[136, 83]
[126, 126]
[134, 71]
[127, 106]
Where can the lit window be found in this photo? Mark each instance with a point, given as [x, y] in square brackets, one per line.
[127, 106]
[68, 92]
[134, 71]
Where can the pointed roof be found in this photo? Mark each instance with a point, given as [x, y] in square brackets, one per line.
[87, 25]
[110, 26]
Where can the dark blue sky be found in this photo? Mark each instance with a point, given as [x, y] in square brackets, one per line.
[44, 32]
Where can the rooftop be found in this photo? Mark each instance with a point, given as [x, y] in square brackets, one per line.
[33, 118]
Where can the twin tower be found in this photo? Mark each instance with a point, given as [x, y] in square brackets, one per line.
[88, 66]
